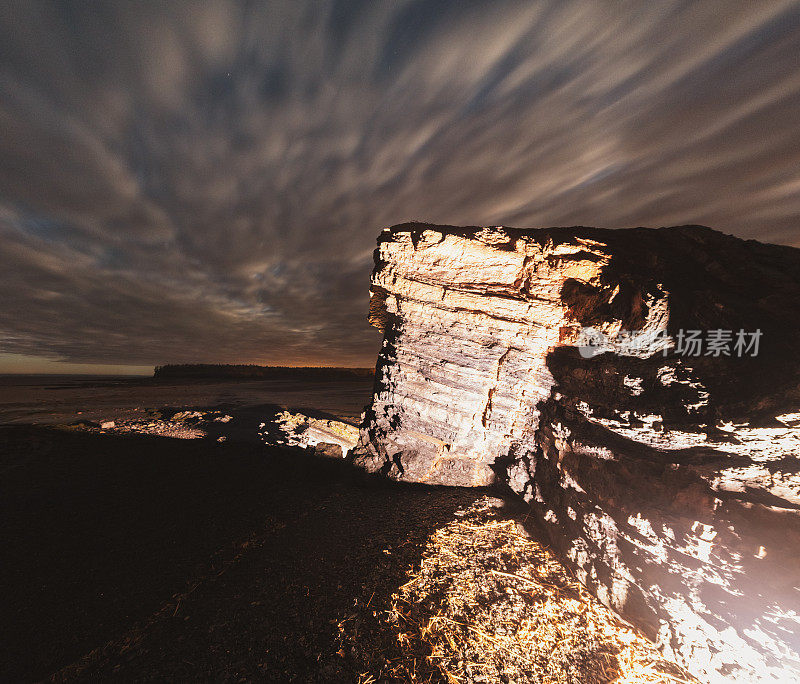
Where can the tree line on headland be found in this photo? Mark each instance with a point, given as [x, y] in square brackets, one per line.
[251, 371]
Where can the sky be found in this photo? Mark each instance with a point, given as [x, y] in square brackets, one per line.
[204, 181]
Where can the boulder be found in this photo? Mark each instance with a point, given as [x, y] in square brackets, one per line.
[639, 388]
[325, 437]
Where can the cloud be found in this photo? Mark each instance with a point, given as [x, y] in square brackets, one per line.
[205, 181]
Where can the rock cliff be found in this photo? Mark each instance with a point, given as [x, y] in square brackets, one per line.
[640, 389]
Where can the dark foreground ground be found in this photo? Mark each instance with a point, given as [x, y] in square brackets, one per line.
[169, 548]
[138, 557]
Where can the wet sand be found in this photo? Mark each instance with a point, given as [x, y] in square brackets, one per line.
[48, 400]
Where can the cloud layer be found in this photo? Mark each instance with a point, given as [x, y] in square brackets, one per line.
[204, 181]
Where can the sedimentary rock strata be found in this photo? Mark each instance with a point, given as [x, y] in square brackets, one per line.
[669, 481]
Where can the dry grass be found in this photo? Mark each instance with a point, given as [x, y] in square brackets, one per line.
[488, 604]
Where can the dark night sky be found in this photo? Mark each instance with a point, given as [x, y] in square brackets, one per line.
[205, 181]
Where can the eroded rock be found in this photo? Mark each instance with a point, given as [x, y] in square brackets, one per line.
[670, 483]
[329, 438]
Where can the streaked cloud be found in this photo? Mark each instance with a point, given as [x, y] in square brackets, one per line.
[204, 181]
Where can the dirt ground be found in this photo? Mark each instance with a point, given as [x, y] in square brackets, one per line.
[138, 557]
[155, 550]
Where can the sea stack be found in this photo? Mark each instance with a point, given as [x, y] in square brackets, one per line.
[639, 389]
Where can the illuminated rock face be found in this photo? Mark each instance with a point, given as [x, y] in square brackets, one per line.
[670, 483]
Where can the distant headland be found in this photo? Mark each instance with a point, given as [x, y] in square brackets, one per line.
[252, 371]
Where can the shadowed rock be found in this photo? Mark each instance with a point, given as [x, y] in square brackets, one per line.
[552, 361]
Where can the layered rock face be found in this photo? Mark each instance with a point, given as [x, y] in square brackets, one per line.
[670, 481]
